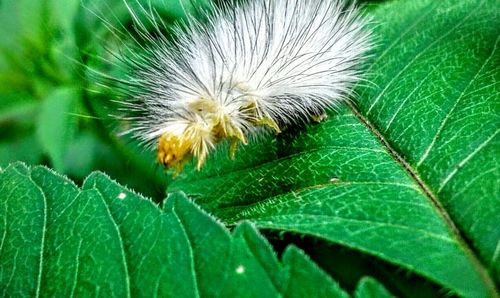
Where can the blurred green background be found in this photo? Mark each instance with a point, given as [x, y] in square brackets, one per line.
[53, 111]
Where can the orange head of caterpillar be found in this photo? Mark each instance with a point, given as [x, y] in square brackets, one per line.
[209, 123]
[173, 151]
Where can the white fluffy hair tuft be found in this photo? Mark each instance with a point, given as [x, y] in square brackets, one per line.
[250, 64]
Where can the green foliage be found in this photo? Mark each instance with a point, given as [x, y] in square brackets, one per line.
[102, 239]
[56, 124]
[370, 288]
[407, 174]
[49, 111]
[410, 173]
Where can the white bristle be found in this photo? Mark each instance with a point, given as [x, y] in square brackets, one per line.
[288, 59]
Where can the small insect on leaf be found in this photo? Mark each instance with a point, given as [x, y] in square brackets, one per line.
[252, 66]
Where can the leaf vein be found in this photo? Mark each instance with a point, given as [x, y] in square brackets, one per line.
[77, 265]
[465, 160]
[191, 254]
[120, 241]
[393, 79]
[448, 115]
[432, 198]
[317, 221]
[397, 40]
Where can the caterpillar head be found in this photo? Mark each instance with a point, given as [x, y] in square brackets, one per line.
[258, 64]
[209, 122]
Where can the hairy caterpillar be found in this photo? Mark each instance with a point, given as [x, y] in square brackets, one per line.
[251, 66]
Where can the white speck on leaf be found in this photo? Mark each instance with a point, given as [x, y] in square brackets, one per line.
[240, 269]
[121, 196]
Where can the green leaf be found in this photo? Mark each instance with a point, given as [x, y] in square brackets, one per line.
[410, 173]
[16, 105]
[20, 21]
[305, 278]
[102, 239]
[55, 124]
[23, 148]
[23, 44]
[446, 125]
[370, 288]
[63, 51]
[17, 138]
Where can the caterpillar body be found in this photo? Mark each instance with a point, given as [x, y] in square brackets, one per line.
[250, 66]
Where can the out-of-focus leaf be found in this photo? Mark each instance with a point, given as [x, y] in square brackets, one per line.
[55, 124]
[21, 23]
[23, 148]
[16, 105]
[370, 288]
[82, 154]
[63, 49]
[17, 139]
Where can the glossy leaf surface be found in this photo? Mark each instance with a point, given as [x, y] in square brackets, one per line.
[101, 239]
[414, 163]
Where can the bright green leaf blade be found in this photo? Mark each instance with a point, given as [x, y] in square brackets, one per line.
[354, 194]
[206, 251]
[150, 238]
[79, 232]
[56, 125]
[22, 235]
[347, 181]
[306, 278]
[59, 240]
[247, 262]
[438, 105]
[370, 288]
[92, 238]
[262, 252]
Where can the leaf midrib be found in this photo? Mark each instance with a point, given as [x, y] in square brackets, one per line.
[426, 191]
[469, 250]
[44, 232]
